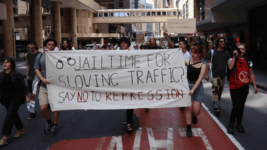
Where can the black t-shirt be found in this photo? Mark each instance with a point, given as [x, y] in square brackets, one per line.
[157, 47]
[219, 62]
[31, 60]
[8, 86]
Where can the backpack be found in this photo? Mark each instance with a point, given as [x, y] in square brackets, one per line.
[229, 72]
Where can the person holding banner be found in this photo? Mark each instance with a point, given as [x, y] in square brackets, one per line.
[13, 93]
[195, 74]
[124, 45]
[40, 70]
[66, 45]
[153, 44]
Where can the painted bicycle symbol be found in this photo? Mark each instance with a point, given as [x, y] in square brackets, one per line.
[70, 61]
[244, 76]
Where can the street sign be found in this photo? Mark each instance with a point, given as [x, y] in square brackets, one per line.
[181, 25]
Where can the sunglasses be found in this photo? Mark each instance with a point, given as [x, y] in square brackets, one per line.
[221, 41]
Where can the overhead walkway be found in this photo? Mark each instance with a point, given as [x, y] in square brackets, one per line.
[121, 16]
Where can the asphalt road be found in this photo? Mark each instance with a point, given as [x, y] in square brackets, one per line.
[82, 124]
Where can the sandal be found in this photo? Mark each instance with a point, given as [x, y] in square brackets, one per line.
[129, 128]
[3, 141]
[19, 133]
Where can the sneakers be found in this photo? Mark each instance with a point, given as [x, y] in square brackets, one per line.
[218, 111]
[194, 119]
[32, 115]
[3, 141]
[48, 127]
[230, 128]
[19, 133]
[240, 128]
[53, 130]
[188, 131]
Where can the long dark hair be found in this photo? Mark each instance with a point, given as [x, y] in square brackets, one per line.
[218, 40]
[13, 64]
[69, 46]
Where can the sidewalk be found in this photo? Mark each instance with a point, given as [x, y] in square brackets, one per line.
[260, 75]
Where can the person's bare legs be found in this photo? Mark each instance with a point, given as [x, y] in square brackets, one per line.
[188, 115]
[196, 108]
[45, 111]
[55, 116]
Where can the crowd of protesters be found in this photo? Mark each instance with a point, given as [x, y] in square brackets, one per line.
[14, 92]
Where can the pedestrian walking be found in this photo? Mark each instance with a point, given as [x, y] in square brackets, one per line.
[195, 74]
[40, 70]
[13, 93]
[30, 72]
[239, 78]
[219, 57]
[125, 45]
[66, 45]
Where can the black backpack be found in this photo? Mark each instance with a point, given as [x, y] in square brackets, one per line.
[229, 72]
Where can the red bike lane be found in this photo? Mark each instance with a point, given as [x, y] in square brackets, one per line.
[159, 129]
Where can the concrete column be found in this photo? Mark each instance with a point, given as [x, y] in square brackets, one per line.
[73, 26]
[57, 22]
[8, 27]
[37, 20]
[102, 41]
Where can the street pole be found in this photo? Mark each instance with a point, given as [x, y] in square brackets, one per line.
[178, 18]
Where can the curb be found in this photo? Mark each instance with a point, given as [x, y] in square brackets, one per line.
[259, 86]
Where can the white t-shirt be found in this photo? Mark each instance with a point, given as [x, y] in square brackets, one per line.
[187, 55]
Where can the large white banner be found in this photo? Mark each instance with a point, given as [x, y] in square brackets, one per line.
[107, 79]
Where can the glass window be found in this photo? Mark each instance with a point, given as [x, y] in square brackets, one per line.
[100, 14]
[95, 15]
[169, 13]
[153, 14]
[138, 13]
[148, 14]
[164, 13]
[105, 14]
[158, 13]
[111, 14]
[132, 13]
[121, 14]
[174, 13]
[143, 13]
[116, 14]
[186, 7]
[127, 14]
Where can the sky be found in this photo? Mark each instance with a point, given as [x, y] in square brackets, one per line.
[149, 1]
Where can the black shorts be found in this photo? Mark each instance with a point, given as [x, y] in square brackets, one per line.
[30, 85]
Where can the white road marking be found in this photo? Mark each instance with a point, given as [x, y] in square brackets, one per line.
[101, 143]
[154, 144]
[137, 139]
[197, 132]
[116, 140]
